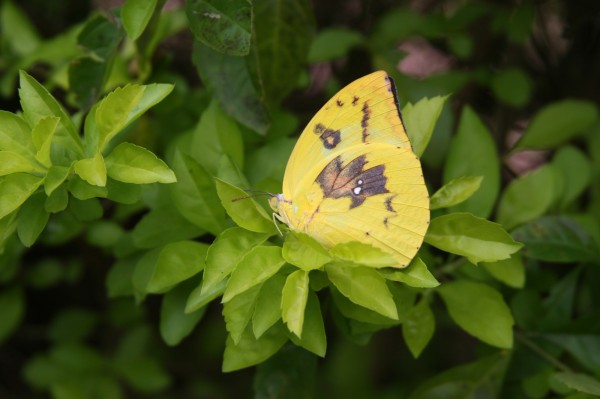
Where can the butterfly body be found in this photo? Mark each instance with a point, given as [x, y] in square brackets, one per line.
[353, 176]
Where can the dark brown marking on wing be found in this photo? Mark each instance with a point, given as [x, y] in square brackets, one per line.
[355, 100]
[364, 123]
[388, 203]
[330, 138]
[339, 103]
[352, 180]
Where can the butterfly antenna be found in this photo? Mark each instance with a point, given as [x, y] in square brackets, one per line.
[259, 193]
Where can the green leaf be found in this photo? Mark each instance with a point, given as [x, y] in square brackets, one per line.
[216, 135]
[362, 254]
[313, 332]
[290, 28]
[144, 269]
[479, 310]
[13, 162]
[333, 43]
[177, 262]
[244, 211]
[557, 239]
[576, 172]
[18, 31]
[42, 135]
[512, 87]
[55, 177]
[163, 225]
[38, 103]
[579, 382]
[230, 79]
[135, 15]
[15, 135]
[557, 123]
[130, 163]
[355, 312]
[303, 251]
[119, 279]
[225, 253]
[32, 219]
[363, 286]
[195, 195]
[15, 189]
[12, 310]
[223, 25]
[418, 328]
[258, 265]
[83, 190]
[510, 271]
[201, 297]
[100, 36]
[420, 120]
[238, 312]
[527, 197]
[477, 239]
[87, 76]
[250, 351]
[268, 305]
[92, 170]
[455, 191]
[293, 301]
[290, 374]
[415, 275]
[72, 325]
[175, 324]
[112, 114]
[473, 153]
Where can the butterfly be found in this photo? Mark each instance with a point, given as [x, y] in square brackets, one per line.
[353, 176]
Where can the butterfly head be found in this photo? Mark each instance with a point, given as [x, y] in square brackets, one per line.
[282, 207]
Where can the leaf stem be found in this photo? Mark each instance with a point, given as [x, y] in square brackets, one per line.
[541, 352]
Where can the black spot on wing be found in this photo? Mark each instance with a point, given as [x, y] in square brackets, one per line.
[364, 123]
[339, 103]
[388, 203]
[355, 100]
[330, 138]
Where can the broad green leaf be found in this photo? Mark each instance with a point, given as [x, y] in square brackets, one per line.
[258, 265]
[119, 280]
[527, 197]
[15, 134]
[175, 324]
[130, 163]
[42, 135]
[177, 262]
[290, 373]
[87, 76]
[418, 328]
[250, 351]
[223, 25]
[557, 123]
[226, 251]
[145, 374]
[163, 225]
[83, 190]
[268, 305]
[142, 274]
[100, 36]
[72, 325]
[38, 103]
[123, 193]
[576, 171]
[152, 95]
[557, 239]
[480, 379]
[195, 195]
[352, 311]
[363, 286]
[18, 31]
[557, 309]
[477, 239]
[415, 275]
[579, 382]
[480, 310]
[216, 135]
[585, 348]
[521, 23]
[269, 161]
[92, 170]
[473, 153]
[105, 234]
[112, 114]
[201, 297]
[420, 120]
[313, 332]
[230, 78]
[13, 162]
[291, 28]
[135, 15]
[293, 301]
[510, 271]
[512, 87]
[57, 201]
[15, 189]
[238, 312]
[55, 176]
[333, 43]
[32, 219]
[244, 211]
[303, 251]
[362, 254]
[455, 191]
[12, 310]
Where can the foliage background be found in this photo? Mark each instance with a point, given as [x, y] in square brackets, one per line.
[530, 69]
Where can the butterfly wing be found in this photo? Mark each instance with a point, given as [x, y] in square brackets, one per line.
[353, 176]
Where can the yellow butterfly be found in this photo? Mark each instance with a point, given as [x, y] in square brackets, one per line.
[353, 176]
